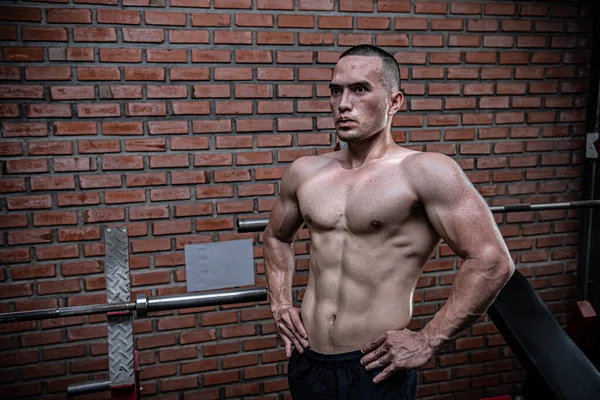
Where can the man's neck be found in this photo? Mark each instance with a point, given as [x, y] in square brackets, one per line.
[363, 152]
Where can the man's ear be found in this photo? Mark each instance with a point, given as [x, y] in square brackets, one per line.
[397, 100]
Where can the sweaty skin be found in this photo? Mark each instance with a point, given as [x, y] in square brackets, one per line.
[376, 212]
[369, 241]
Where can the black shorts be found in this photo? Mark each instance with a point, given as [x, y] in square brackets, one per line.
[315, 376]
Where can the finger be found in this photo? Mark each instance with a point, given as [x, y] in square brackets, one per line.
[288, 346]
[290, 335]
[287, 332]
[287, 319]
[380, 362]
[299, 325]
[384, 374]
[373, 356]
[374, 344]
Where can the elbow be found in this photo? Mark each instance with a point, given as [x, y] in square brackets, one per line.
[506, 268]
[503, 267]
[500, 265]
[269, 236]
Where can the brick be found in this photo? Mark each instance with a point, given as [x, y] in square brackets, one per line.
[375, 23]
[33, 129]
[75, 128]
[315, 5]
[211, 19]
[68, 16]
[513, 25]
[62, 286]
[143, 35]
[262, 20]
[496, 73]
[181, 353]
[122, 17]
[48, 34]
[411, 24]
[464, 40]
[166, 55]
[20, 14]
[158, 371]
[94, 34]
[12, 73]
[237, 37]
[426, 104]
[465, 73]
[531, 41]
[165, 18]
[233, 3]
[23, 54]
[482, 25]
[275, 5]
[188, 36]
[98, 73]
[80, 54]
[427, 40]
[480, 57]
[446, 24]
[391, 39]
[533, 10]
[199, 366]
[72, 93]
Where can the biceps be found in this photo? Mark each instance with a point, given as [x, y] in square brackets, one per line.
[466, 225]
[285, 219]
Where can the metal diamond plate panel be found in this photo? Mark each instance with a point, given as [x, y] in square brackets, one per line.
[117, 265]
[120, 327]
[120, 350]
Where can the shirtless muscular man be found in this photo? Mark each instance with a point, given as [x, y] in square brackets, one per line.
[375, 212]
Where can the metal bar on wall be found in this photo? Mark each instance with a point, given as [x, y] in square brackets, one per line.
[144, 305]
[259, 224]
[588, 277]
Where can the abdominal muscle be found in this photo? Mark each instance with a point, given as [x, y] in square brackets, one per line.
[357, 295]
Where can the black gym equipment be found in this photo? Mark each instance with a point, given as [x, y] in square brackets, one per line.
[556, 367]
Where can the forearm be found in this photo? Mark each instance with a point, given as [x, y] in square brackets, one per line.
[279, 268]
[475, 287]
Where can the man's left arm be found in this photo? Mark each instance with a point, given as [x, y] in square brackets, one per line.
[462, 218]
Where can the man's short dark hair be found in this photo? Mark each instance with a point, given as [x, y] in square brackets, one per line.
[389, 69]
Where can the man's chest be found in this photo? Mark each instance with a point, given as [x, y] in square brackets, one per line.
[361, 202]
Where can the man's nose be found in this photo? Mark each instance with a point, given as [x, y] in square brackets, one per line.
[344, 104]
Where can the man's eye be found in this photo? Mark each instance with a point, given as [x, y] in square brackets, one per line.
[335, 91]
[361, 89]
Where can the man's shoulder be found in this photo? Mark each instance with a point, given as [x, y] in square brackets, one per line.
[308, 165]
[422, 159]
[305, 167]
[428, 170]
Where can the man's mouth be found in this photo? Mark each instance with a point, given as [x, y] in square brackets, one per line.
[345, 122]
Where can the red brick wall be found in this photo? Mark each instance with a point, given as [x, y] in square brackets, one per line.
[172, 117]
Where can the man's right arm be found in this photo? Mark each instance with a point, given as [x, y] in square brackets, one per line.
[285, 220]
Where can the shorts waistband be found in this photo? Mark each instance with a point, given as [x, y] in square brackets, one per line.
[352, 356]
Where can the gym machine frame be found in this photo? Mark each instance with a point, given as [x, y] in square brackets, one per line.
[122, 358]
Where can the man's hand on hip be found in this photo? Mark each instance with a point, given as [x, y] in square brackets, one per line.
[396, 350]
[291, 329]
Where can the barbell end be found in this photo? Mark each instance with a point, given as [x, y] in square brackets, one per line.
[141, 305]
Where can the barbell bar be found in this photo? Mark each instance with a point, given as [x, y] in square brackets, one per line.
[259, 224]
[143, 304]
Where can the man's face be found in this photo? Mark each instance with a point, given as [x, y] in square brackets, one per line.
[359, 100]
